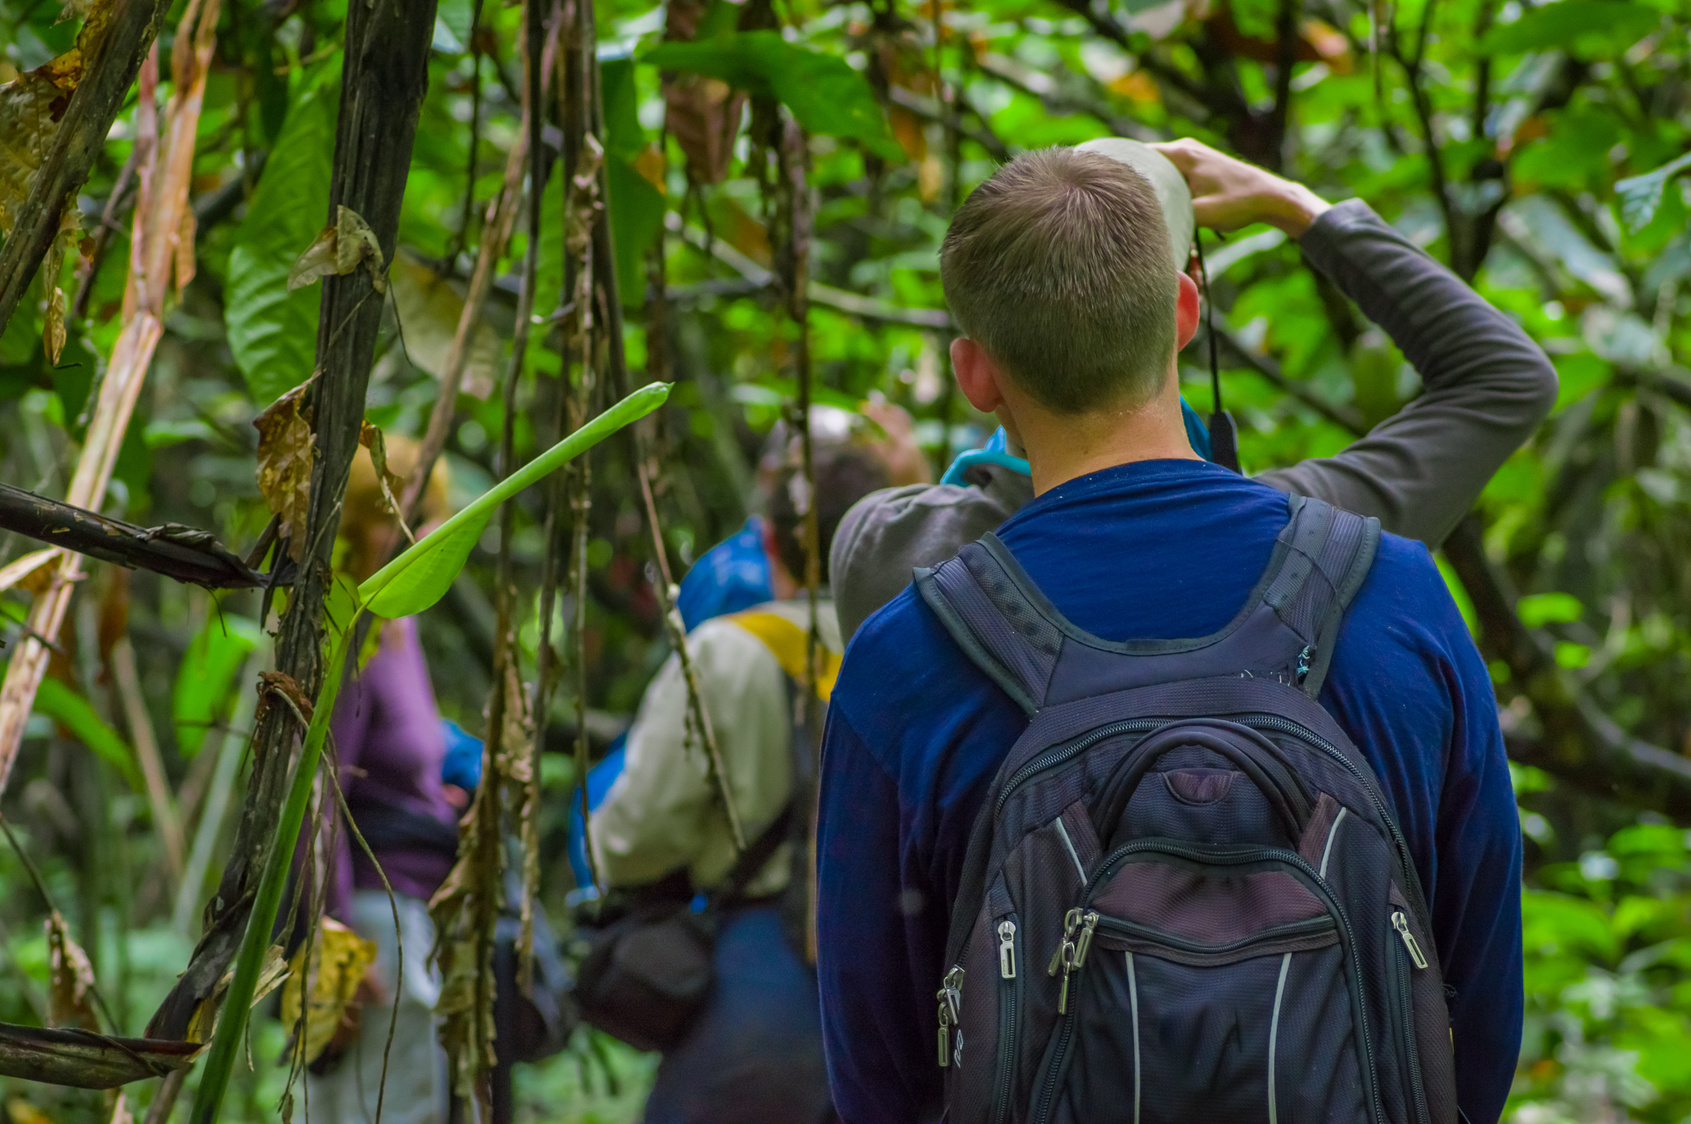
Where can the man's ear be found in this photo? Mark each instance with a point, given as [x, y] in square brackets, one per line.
[978, 377]
[1186, 308]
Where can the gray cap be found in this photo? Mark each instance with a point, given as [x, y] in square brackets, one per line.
[1173, 195]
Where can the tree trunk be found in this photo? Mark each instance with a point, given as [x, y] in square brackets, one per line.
[383, 81]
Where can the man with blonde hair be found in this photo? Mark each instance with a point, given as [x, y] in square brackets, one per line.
[1060, 273]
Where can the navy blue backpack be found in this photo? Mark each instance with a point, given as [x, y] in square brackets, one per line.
[1186, 900]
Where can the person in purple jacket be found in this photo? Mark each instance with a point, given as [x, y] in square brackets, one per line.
[390, 745]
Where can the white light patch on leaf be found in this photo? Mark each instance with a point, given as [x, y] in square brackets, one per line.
[429, 310]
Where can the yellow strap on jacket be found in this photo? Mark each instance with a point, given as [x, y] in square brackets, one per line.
[787, 642]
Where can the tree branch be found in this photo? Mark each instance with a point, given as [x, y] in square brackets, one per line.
[177, 552]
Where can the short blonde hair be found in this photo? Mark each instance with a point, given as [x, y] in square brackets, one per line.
[1059, 267]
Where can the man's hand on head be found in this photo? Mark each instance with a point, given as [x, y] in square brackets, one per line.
[1228, 194]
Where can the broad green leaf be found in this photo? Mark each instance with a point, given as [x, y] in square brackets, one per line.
[208, 669]
[421, 576]
[636, 204]
[636, 210]
[1578, 26]
[1641, 195]
[272, 332]
[1538, 609]
[824, 93]
[62, 704]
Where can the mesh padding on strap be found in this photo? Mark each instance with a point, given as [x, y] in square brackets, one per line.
[994, 624]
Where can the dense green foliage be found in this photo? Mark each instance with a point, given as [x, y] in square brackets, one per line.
[1494, 134]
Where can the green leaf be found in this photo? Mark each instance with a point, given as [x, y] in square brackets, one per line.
[62, 704]
[824, 93]
[272, 332]
[458, 16]
[636, 211]
[208, 670]
[422, 575]
[1578, 26]
[636, 204]
[1538, 609]
[1641, 195]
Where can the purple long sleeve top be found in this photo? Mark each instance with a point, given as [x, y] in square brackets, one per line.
[388, 736]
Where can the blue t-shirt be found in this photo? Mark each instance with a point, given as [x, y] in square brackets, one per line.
[1151, 550]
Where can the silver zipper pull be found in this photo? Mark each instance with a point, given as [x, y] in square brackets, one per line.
[1007, 949]
[1088, 923]
[950, 996]
[1401, 924]
[1071, 922]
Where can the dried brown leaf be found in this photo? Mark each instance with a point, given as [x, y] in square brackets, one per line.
[392, 484]
[285, 456]
[70, 979]
[271, 973]
[30, 110]
[703, 114]
[339, 249]
[120, 1110]
[184, 268]
[70, 233]
[339, 960]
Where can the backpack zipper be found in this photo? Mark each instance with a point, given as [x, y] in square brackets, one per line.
[1298, 730]
[1059, 754]
[950, 996]
[1219, 858]
[1132, 930]
[1009, 982]
[1406, 1005]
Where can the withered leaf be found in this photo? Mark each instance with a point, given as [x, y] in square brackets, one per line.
[339, 960]
[30, 111]
[391, 483]
[285, 456]
[120, 1110]
[70, 233]
[270, 976]
[339, 249]
[70, 980]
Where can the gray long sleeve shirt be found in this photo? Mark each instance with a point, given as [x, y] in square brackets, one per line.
[1486, 384]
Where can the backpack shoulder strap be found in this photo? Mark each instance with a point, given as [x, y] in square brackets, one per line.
[1329, 553]
[1288, 627]
[1006, 632]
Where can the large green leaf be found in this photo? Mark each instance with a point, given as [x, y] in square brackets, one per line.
[207, 672]
[824, 93]
[272, 332]
[636, 204]
[1579, 26]
[422, 575]
[62, 704]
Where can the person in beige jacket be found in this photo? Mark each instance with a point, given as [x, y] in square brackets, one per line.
[755, 1053]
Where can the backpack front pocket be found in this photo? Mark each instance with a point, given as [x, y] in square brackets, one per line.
[1200, 992]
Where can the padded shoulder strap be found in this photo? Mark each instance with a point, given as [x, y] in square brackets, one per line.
[1328, 556]
[998, 626]
[1287, 629]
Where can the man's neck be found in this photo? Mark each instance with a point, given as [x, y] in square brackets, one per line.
[1063, 447]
